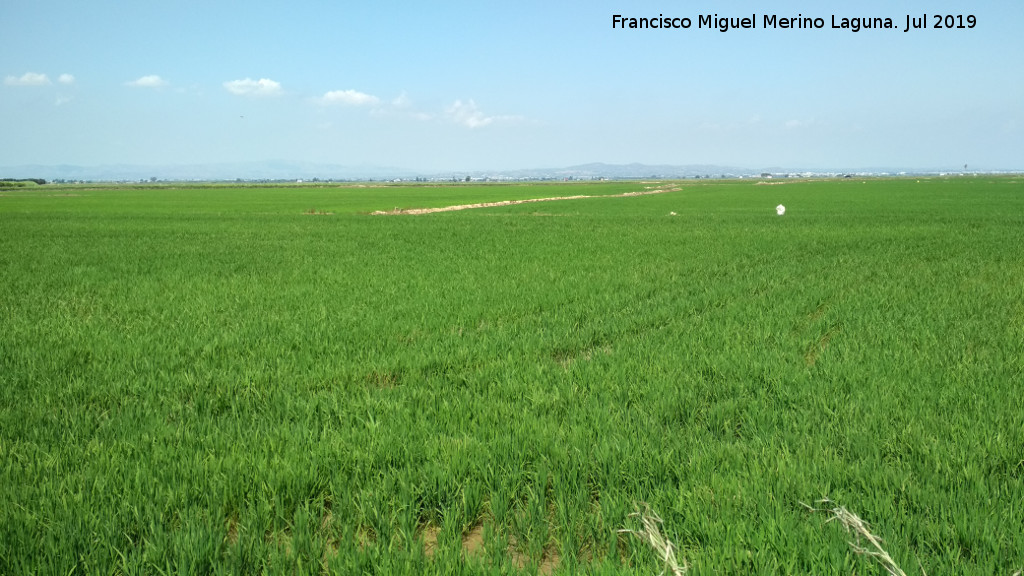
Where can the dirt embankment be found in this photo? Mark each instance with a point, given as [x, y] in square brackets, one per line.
[414, 211]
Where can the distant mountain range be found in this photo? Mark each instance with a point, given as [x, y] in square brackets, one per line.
[284, 170]
[615, 171]
[274, 170]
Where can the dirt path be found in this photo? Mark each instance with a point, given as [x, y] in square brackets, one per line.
[514, 202]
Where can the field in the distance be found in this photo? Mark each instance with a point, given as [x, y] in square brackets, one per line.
[212, 380]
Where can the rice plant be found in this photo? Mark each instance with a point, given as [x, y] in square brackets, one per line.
[209, 379]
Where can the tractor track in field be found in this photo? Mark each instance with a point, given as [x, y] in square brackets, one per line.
[417, 211]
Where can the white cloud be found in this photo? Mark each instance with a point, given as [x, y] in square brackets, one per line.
[250, 87]
[66, 79]
[27, 79]
[469, 114]
[350, 98]
[402, 101]
[151, 81]
[798, 124]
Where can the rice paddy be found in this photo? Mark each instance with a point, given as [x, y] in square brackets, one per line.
[212, 380]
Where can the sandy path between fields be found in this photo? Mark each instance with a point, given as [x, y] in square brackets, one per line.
[514, 202]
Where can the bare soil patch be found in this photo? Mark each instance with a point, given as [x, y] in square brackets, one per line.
[429, 536]
[550, 561]
[473, 541]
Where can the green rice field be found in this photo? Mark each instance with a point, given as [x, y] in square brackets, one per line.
[257, 379]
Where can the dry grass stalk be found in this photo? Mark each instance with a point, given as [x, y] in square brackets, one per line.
[860, 529]
[651, 533]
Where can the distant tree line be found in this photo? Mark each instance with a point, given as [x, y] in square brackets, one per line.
[16, 182]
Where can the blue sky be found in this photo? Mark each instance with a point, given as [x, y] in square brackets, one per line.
[476, 85]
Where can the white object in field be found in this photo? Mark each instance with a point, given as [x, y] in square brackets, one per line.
[671, 213]
[780, 209]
